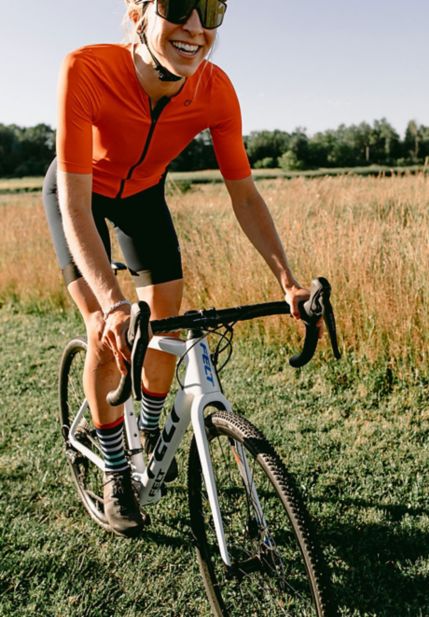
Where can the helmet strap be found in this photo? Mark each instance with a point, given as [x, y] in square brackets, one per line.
[163, 73]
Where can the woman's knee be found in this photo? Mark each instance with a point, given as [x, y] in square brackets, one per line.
[93, 318]
[94, 324]
[164, 299]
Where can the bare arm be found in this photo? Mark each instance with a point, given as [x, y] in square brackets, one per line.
[83, 239]
[88, 252]
[255, 219]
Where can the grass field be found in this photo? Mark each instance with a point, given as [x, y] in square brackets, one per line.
[354, 433]
[360, 456]
[369, 236]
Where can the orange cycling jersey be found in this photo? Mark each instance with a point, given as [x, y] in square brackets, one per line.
[106, 125]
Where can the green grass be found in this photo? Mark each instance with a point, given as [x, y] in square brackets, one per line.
[357, 440]
[182, 180]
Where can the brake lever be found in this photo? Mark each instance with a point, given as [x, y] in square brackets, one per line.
[322, 302]
[318, 305]
[329, 319]
[138, 340]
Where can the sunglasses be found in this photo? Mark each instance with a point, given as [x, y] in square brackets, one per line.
[211, 12]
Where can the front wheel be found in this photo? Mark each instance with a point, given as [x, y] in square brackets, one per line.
[277, 568]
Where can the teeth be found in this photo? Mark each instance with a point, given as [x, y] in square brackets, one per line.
[186, 47]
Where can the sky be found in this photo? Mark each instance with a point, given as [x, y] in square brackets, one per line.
[294, 63]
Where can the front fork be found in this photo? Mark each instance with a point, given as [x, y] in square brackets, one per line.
[198, 424]
[239, 454]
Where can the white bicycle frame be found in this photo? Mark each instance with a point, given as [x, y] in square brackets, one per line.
[200, 388]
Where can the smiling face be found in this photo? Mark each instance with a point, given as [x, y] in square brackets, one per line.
[180, 48]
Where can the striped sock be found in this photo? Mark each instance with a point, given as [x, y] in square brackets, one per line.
[111, 438]
[152, 405]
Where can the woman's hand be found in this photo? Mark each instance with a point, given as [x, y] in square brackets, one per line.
[296, 295]
[114, 335]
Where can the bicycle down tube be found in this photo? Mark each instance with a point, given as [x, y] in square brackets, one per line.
[200, 389]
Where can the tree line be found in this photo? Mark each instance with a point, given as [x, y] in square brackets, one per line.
[28, 151]
[357, 145]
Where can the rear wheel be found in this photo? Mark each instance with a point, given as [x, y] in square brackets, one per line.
[86, 475]
[277, 568]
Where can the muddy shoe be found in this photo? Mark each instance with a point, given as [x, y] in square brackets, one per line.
[120, 504]
[149, 439]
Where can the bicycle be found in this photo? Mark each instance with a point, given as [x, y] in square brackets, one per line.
[254, 541]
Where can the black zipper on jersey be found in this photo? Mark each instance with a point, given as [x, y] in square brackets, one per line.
[154, 113]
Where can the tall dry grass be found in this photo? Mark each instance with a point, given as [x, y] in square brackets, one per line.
[28, 270]
[369, 236]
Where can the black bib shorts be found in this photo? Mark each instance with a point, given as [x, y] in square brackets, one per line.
[143, 226]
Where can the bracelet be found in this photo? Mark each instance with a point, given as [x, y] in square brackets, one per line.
[113, 308]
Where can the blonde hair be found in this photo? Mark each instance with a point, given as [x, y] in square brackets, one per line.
[133, 18]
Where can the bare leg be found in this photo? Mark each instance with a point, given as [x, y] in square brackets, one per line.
[164, 300]
[100, 374]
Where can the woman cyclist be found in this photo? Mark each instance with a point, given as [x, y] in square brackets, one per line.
[125, 112]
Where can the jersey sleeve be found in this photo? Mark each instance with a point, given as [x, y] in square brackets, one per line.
[77, 109]
[226, 130]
